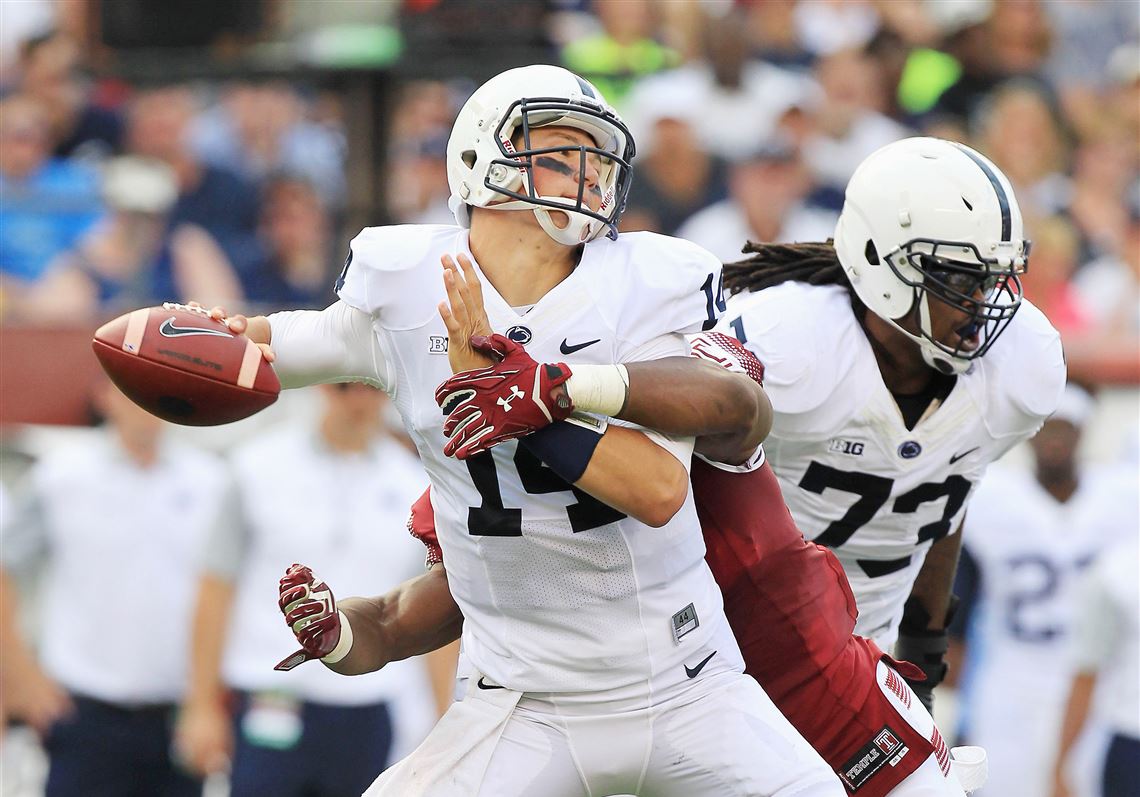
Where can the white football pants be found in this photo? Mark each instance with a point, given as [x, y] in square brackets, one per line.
[716, 735]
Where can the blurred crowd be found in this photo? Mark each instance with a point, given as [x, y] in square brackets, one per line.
[749, 116]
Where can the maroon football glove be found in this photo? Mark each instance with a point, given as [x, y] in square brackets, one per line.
[310, 610]
[727, 352]
[512, 398]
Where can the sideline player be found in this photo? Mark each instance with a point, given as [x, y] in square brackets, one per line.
[901, 361]
[1029, 537]
[581, 621]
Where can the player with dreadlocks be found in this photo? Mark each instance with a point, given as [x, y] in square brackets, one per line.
[901, 361]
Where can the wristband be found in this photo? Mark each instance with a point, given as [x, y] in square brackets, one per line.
[343, 645]
[602, 389]
[565, 447]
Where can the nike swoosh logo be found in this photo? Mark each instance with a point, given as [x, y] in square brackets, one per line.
[566, 348]
[482, 685]
[693, 672]
[957, 457]
[167, 329]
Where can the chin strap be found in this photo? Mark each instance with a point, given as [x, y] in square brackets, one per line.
[924, 647]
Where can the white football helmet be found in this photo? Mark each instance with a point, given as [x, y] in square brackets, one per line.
[489, 155]
[923, 218]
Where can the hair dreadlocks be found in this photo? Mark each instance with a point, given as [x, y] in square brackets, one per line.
[772, 264]
[815, 263]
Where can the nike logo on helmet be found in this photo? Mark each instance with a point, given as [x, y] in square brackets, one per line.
[693, 672]
[566, 348]
[167, 329]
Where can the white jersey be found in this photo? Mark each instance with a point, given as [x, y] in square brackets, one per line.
[1106, 634]
[559, 592]
[854, 477]
[1030, 551]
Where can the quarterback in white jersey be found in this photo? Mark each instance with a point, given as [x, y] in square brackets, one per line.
[901, 361]
[602, 659]
[1029, 537]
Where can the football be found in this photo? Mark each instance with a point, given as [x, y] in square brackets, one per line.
[183, 366]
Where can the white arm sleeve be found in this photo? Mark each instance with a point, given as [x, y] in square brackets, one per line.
[336, 344]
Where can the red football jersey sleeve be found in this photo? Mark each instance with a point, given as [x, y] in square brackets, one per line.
[421, 524]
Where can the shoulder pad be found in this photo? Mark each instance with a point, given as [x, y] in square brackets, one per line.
[648, 285]
[393, 273]
[808, 341]
[1018, 383]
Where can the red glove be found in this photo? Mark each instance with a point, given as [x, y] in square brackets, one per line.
[510, 399]
[421, 523]
[310, 610]
[727, 352]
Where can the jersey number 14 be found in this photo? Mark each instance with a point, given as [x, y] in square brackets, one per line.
[492, 519]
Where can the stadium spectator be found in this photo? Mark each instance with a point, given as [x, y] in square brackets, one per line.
[848, 124]
[132, 257]
[417, 171]
[772, 34]
[624, 50]
[1022, 38]
[735, 98]
[957, 71]
[1018, 128]
[50, 72]
[46, 203]
[1111, 284]
[828, 28]
[1048, 283]
[417, 186]
[116, 520]
[1104, 172]
[1086, 36]
[1029, 536]
[324, 492]
[1109, 289]
[259, 130]
[215, 199]
[295, 265]
[676, 176]
[767, 202]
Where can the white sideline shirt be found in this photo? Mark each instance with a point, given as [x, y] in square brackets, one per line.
[342, 514]
[120, 545]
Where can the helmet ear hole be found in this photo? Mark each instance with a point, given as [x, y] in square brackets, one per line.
[871, 253]
[469, 157]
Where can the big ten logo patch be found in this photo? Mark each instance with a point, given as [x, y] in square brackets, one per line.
[437, 344]
[852, 448]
